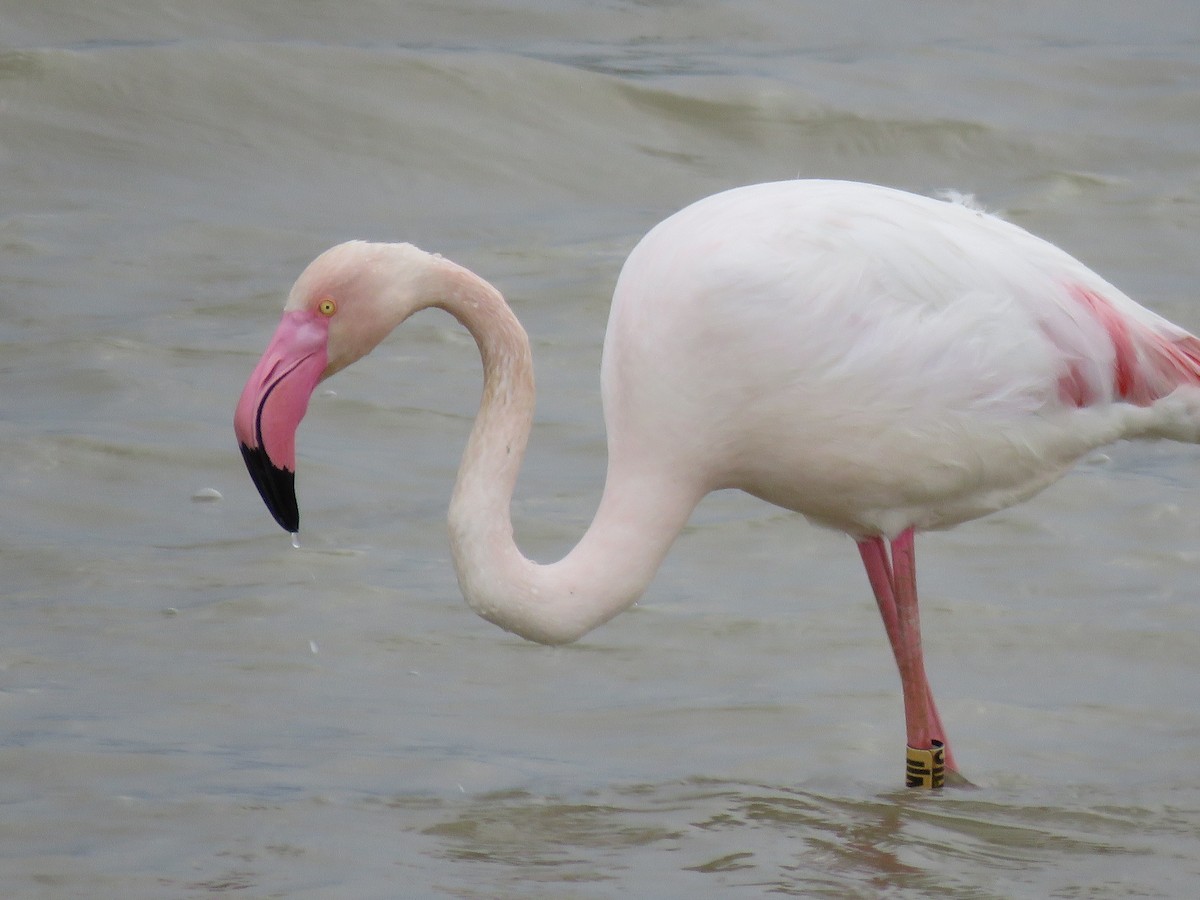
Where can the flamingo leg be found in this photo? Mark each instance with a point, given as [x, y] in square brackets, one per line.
[894, 583]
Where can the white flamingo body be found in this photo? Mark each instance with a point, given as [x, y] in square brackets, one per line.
[879, 362]
[869, 358]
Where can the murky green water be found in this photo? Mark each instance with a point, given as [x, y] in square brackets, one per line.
[189, 707]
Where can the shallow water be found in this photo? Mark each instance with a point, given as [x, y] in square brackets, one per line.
[189, 707]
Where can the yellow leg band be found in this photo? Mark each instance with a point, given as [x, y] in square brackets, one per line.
[925, 768]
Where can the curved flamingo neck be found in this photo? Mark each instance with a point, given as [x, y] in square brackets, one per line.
[636, 523]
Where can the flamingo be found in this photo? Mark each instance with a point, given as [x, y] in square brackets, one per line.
[880, 362]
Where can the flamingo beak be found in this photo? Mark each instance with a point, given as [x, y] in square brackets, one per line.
[272, 404]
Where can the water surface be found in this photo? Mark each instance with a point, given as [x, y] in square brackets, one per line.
[190, 707]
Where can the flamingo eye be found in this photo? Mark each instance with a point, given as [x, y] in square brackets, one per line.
[327, 307]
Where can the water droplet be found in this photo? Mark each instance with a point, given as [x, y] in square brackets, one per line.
[206, 495]
[312, 645]
[296, 539]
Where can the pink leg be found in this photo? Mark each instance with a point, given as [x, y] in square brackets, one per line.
[895, 585]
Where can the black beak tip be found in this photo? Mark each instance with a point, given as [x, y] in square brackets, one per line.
[276, 486]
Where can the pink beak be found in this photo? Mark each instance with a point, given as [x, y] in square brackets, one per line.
[272, 404]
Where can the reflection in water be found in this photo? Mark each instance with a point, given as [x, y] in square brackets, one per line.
[703, 834]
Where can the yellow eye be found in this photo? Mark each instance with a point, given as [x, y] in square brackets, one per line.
[327, 307]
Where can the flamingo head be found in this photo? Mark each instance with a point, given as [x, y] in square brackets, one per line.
[346, 302]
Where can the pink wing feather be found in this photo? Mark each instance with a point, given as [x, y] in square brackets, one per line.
[1149, 359]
